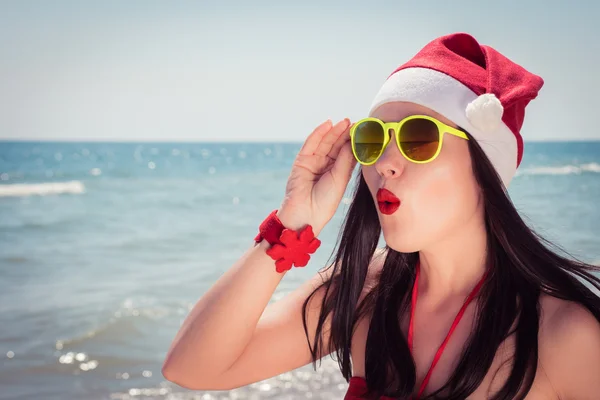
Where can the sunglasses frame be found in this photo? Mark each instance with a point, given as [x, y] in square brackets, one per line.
[397, 126]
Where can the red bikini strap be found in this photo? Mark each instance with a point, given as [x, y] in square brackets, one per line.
[452, 328]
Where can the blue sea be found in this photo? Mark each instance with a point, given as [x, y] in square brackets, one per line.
[105, 247]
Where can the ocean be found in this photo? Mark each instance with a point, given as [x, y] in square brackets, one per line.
[105, 247]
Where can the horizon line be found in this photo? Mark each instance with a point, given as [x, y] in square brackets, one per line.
[188, 141]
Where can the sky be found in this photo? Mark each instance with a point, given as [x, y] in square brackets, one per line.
[210, 70]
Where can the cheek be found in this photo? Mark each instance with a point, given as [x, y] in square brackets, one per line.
[436, 200]
[445, 197]
[436, 196]
[371, 178]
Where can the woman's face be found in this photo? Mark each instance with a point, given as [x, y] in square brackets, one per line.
[436, 198]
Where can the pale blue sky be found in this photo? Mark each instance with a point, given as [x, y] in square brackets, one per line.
[256, 70]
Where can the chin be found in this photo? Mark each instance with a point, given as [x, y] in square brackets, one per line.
[402, 243]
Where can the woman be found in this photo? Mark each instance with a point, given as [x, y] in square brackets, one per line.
[465, 301]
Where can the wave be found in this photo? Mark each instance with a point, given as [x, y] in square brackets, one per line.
[126, 322]
[41, 189]
[562, 170]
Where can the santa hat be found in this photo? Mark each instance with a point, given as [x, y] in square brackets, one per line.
[473, 85]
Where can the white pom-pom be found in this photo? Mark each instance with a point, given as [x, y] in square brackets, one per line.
[485, 112]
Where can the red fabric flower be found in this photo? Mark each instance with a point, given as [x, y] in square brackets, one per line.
[295, 248]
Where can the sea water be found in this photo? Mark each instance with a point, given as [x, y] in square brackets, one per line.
[105, 247]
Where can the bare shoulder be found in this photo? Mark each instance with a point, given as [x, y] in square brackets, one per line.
[563, 320]
[570, 347]
[562, 316]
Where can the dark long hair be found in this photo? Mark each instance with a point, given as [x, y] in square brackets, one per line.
[522, 265]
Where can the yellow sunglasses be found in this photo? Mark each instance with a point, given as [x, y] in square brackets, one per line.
[419, 138]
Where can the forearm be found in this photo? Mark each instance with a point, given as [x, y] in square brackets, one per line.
[221, 324]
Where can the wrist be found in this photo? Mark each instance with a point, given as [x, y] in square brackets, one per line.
[292, 222]
[291, 244]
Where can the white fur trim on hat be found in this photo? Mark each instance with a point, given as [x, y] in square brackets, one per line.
[450, 98]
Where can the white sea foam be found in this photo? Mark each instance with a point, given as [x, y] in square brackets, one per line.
[562, 169]
[41, 189]
[591, 167]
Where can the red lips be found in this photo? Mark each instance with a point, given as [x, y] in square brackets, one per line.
[388, 203]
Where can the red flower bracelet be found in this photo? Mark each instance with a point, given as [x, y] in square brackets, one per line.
[288, 247]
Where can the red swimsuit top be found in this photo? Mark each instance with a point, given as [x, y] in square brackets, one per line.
[358, 385]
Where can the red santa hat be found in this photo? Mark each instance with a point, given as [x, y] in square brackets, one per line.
[474, 86]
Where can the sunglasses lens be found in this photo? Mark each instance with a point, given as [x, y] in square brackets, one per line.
[368, 141]
[419, 139]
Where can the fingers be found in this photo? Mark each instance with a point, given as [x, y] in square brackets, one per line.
[331, 137]
[313, 140]
[339, 143]
[345, 162]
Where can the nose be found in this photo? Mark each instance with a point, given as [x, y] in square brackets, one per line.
[391, 163]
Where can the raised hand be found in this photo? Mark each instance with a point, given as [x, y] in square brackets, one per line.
[319, 176]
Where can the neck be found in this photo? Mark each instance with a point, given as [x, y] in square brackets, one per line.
[452, 268]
